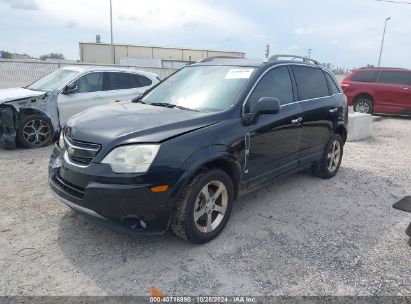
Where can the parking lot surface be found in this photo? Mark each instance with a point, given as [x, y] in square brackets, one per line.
[298, 235]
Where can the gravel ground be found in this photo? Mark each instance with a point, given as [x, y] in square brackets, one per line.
[300, 235]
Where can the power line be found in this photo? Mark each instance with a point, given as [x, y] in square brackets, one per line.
[396, 2]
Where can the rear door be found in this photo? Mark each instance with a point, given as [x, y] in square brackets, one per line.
[393, 92]
[124, 86]
[274, 139]
[321, 106]
[89, 93]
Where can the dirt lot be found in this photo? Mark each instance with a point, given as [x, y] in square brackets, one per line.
[298, 236]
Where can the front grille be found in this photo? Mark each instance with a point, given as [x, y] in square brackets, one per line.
[69, 188]
[81, 153]
[81, 160]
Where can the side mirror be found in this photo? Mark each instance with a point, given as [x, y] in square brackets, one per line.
[266, 105]
[69, 89]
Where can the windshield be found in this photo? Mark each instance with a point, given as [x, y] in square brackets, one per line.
[53, 81]
[202, 88]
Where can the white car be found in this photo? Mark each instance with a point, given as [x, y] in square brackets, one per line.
[32, 116]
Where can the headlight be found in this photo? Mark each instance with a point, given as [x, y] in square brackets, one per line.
[61, 141]
[131, 159]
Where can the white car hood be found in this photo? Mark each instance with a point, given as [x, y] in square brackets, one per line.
[17, 93]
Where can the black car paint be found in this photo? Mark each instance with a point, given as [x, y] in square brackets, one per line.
[250, 152]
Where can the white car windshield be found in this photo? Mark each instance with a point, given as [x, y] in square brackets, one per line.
[53, 81]
[201, 88]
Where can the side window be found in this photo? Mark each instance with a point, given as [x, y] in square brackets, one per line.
[91, 82]
[395, 77]
[365, 76]
[138, 81]
[333, 86]
[118, 81]
[276, 83]
[311, 82]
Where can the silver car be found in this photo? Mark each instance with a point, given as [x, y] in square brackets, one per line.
[32, 116]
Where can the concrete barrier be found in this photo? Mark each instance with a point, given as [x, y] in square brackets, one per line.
[359, 125]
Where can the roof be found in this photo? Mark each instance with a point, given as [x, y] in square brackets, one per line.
[86, 68]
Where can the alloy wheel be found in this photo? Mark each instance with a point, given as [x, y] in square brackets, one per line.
[210, 206]
[362, 107]
[36, 132]
[334, 156]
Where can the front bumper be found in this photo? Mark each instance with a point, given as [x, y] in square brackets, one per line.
[116, 203]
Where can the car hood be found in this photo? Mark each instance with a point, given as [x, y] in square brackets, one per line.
[131, 122]
[17, 93]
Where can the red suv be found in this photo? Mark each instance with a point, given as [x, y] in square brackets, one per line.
[379, 90]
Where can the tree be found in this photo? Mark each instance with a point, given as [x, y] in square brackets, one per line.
[370, 66]
[5, 54]
[52, 56]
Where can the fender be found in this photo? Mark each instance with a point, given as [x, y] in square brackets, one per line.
[198, 159]
[44, 104]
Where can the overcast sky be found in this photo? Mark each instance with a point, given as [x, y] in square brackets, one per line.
[346, 33]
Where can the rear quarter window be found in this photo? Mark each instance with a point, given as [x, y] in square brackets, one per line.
[331, 82]
[365, 76]
[311, 82]
[138, 81]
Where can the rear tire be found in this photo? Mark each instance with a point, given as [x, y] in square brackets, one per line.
[330, 161]
[35, 131]
[363, 105]
[204, 206]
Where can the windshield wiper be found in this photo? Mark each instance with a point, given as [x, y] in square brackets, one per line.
[170, 105]
[137, 100]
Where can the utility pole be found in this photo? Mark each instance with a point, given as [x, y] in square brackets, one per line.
[113, 54]
[383, 37]
[309, 53]
[267, 51]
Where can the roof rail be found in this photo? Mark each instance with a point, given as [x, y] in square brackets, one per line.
[208, 59]
[277, 57]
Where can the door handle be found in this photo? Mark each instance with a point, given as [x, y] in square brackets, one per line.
[334, 110]
[406, 88]
[297, 120]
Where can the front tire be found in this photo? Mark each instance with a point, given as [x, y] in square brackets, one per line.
[35, 131]
[204, 207]
[331, 159]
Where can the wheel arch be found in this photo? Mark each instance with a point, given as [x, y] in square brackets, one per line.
[342, 131]
[216, 157]
[227, 165]
[365, 96]
[30, 111]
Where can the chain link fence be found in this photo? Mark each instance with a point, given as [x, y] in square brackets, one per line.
[19, 73]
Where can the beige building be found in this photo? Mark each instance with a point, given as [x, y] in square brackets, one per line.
[102, 53]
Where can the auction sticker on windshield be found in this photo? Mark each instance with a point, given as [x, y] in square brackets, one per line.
[243, 73]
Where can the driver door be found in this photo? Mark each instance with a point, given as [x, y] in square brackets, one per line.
[89, 93]
[275, 139]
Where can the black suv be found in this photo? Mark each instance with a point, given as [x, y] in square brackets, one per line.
[180, 155]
